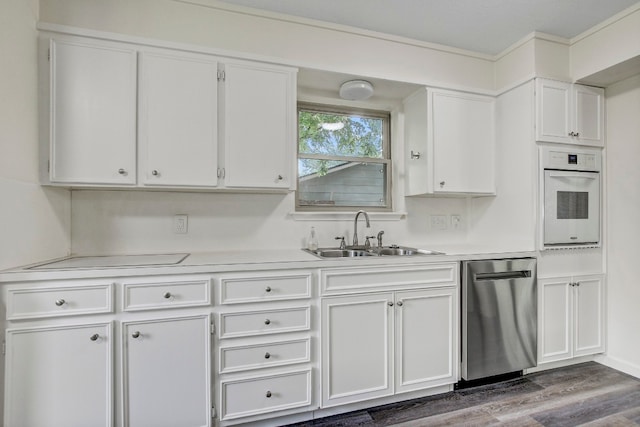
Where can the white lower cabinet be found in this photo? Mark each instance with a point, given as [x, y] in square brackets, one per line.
[59, 376]
[384, 343]
[570, 317]
[265, 363]
[167, 377]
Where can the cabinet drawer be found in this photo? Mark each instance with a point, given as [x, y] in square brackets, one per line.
[265, 394]
[264, 322]
[151, 296]
[59, 301]
[359, 279]
[282, 353]
[243, 289]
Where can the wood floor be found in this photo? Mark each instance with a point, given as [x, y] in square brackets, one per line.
[587, 394]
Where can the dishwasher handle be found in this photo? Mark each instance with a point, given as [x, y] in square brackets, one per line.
[503, 275]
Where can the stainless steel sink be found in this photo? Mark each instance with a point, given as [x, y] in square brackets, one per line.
[340, 253]
[385, 251]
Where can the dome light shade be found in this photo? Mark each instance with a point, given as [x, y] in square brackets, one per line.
[356, 90]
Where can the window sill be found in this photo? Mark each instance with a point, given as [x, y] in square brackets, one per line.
[346, 216]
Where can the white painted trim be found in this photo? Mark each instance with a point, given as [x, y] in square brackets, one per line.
[531, 36]
[620, 365]
[601, 26]
[345, 216]
[243, 10]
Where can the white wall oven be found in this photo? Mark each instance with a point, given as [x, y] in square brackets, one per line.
[571, 196]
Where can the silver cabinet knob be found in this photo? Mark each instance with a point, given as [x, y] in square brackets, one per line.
[267, 289]
[442, 183]
[415, 155]
[267, 355]
[60, 302]
[136, 334]
[577, 134]
[267, 321]
[167, 295]
[94, 337]
[268, 394]
[390, 304]
[122, 171]
[280, 177]
[399, 303]
[155, 172]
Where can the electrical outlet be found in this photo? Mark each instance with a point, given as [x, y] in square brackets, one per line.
[180, 224]
[439, 222]
[456, 221]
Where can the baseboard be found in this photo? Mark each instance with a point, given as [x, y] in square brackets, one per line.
[620, 365]
[559, 364]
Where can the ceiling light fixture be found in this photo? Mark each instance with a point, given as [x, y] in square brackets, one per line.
[356, 90]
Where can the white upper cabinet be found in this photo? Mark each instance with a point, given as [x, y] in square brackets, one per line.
[569, 113]
[259, 125]
[201, 121]
[178, 120]
[450, 143]
[92, 126]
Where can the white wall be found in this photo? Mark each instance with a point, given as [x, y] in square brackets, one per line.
[35, 221]
[612, 42]
[623, 223]
[321, 46]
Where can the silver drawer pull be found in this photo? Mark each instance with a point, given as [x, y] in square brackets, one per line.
[267, 289]
[167, 295]
[267, 355]
[267, 321]
[136, 334]
[60, 302]
[94, 337]
[268, 394]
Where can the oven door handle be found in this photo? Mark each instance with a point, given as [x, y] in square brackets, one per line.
[584, 175]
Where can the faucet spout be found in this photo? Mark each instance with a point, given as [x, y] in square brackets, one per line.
[355, 225]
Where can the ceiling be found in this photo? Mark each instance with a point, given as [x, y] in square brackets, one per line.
[484, 26]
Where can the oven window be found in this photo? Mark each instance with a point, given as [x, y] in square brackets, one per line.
[573, 205]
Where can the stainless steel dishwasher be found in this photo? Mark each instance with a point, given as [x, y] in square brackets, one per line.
[499, 317]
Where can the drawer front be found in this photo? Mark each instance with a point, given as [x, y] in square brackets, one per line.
[233, 359]
[34, 303]
[264, 322]
[152, 296]
[234, 290]
[351, 280]
[265, 394]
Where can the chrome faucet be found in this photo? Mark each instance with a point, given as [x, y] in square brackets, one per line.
[355, 226]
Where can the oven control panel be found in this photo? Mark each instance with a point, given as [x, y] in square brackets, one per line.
[571, 160]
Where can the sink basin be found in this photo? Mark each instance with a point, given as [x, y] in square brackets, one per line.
[340, 253]
[360, 252]
[397, 251]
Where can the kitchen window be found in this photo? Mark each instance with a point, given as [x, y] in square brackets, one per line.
[344, 160]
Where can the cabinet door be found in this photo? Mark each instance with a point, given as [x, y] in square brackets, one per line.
[356, 348]
[259, 125]
[555, 322]
[178, 120]
[588, 315]
[553, 111]
[93, 113]
[167, 379]
[589, 115]
[59, 376]
[426, 339]
[462, 127]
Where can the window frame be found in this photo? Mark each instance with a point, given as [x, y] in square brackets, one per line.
[384, 160]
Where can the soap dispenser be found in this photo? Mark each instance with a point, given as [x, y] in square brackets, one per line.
[312, 241]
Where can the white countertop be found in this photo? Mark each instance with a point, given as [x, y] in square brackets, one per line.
[77, 267]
